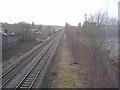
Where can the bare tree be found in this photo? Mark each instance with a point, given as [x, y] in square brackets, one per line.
[95, 31]
[99, 18]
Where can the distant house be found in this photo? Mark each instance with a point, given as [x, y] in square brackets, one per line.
[1, 29]
[7, 33]
[6, 29]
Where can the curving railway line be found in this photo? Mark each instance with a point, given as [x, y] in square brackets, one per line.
[32, 66]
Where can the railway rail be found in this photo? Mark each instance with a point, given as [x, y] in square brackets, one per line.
[32, 64]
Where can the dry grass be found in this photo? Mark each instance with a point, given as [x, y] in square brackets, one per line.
[18, 48]
[88, 72]
[60, 73]
[12, 55]
[66, 73]
[74, 66]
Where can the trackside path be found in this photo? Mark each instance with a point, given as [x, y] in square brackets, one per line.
[61, 74]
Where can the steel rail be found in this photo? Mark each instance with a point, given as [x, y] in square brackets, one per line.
[19, 69]
[34, 79]
[20, 60]
[53, 50]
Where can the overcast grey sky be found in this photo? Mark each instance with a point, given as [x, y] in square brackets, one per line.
[53, 12]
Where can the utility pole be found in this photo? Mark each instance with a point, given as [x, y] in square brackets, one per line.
[107, 8]
[107, 18]
[85, 17]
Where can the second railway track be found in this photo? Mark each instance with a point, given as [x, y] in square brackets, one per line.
[29, 80]
[30, 75]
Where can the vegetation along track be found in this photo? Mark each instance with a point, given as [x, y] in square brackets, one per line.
[43, 49]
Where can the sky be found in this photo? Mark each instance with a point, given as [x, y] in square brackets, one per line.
[54, 12]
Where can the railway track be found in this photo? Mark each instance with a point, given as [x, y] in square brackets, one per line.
[35, 71]
[43, 51]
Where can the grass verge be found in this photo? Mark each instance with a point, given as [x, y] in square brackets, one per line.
[60, 73]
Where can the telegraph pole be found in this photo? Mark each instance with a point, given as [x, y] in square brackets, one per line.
[107, 18]
[107, 8]
[85, 17]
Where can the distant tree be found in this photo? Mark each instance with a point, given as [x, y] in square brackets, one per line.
[23, 30]
[66, 24]
[39, 27]
[33, 25]
[79, 24]
[21, 26]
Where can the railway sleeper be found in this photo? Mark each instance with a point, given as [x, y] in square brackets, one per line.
[23, 87]
[27, 82]
[29, 78]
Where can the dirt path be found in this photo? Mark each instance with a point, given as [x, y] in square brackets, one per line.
[61, 74]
